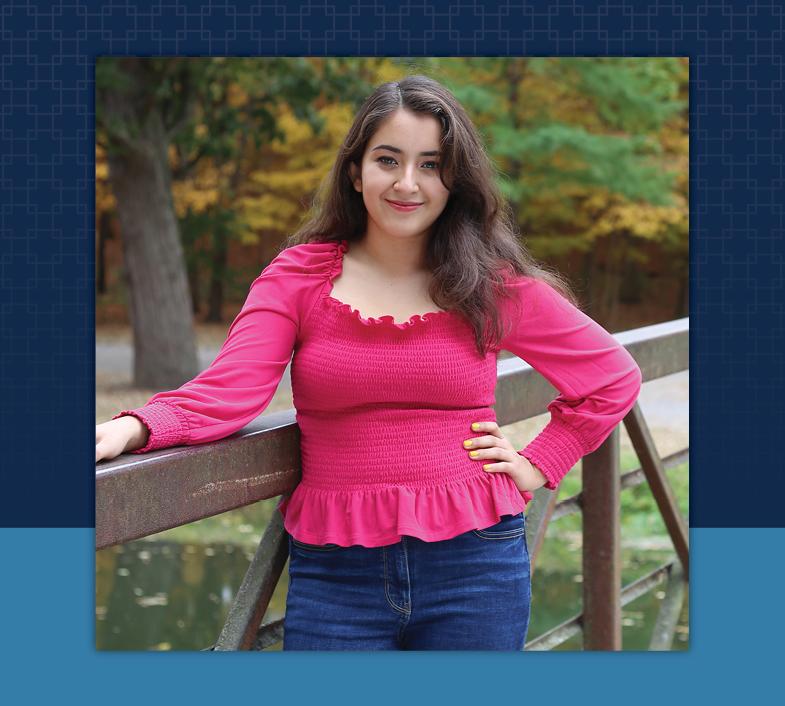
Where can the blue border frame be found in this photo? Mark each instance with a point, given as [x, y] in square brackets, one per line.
[47, 352]
[47, 355]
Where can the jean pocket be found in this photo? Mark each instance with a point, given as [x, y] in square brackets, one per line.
[508, 527]
[314, 547]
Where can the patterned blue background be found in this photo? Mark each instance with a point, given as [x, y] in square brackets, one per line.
[47, 351]
[47, 168]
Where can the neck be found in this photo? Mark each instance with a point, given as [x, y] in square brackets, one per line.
[396, 257]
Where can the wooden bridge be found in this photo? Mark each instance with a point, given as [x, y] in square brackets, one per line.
[140, 495]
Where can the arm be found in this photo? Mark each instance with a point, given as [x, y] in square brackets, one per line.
[597, 379]
[241, 381]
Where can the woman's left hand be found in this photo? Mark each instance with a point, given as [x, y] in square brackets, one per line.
[498, 455]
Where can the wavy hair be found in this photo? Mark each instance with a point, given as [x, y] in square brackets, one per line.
[472, 243]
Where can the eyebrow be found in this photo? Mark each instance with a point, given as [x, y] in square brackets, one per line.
[398, 150]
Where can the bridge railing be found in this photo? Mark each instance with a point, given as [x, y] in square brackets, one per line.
[142, 494]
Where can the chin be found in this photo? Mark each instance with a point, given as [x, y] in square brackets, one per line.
[410, 234]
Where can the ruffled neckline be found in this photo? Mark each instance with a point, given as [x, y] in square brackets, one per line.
[385, 320]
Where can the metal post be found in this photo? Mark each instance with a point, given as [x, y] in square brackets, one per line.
[602, 547]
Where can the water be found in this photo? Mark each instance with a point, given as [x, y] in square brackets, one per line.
[165, 595]
[174, 592]
[169, 596]
[556, 597]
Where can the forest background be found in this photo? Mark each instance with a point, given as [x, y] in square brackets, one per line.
[205, 165]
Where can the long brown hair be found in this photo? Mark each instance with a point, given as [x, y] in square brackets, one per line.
[472, 242]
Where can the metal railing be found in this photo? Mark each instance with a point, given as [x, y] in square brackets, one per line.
[140, 495]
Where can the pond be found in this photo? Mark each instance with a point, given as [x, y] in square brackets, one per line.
[168, 595]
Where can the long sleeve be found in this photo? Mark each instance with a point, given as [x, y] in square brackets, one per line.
[239, 384]
[598, 380]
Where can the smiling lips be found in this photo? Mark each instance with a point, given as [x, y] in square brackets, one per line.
[404, 206]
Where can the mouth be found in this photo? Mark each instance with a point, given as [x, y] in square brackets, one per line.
[403, 205]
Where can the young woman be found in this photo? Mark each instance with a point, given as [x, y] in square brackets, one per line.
[407, 530]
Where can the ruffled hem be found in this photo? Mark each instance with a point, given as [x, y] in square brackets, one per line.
[378, 517]
[385, 320]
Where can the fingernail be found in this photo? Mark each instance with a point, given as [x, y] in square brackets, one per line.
[475, 426]
[467, 443]
[485, 468]
[473, 453]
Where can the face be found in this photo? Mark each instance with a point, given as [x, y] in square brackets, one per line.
[401, 164]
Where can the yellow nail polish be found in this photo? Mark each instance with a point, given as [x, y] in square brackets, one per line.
[467, 443]
[485, 467]
[473, 453]
[475, 426]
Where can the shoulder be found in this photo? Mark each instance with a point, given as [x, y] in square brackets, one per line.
[293, 280]
[312, 259]
[302, 266]
[528, 296]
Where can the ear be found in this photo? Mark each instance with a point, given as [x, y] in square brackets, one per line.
[354, 173]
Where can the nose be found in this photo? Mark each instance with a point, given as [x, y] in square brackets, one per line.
[407, 182]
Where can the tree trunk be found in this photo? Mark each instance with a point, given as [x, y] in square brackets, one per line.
[612, 316]
[104, 234]
[215, 298]
[685, 283]
[194, 284]
[222, 236]
[619, 260]
[165, 354]
[587, 280]
[602, 279]
[682, 304]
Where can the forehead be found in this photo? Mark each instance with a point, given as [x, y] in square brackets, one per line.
[411, 132]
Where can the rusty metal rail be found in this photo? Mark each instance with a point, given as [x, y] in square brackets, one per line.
[140, 495]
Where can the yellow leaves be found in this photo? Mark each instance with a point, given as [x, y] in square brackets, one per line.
[299, 136]
[104, 198]
[294, 129]
[201, 191]
[189, 195]
[276, 183]
[597, 200]
[279, 187]
[236, 96]
[248, 237]
[640, 220]
[387, 71]
[304, 178]
[104, 201]
[267, 212]
[598, 213]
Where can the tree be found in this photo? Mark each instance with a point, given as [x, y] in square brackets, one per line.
[138, 109]
[153, 112]
[592, 155]
[220, 166]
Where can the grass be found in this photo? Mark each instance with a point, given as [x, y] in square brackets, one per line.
[642, 527]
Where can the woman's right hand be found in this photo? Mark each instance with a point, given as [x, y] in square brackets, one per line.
[119, 435]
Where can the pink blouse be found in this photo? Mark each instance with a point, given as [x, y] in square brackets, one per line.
[383, 407]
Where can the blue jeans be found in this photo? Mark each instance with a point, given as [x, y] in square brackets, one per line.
[470, 592]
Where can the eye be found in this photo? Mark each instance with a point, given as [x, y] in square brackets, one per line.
[392, 161]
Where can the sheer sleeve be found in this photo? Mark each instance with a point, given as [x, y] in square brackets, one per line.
[597, 379]
[239, 384]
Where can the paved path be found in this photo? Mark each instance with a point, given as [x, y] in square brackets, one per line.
[115, 358]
